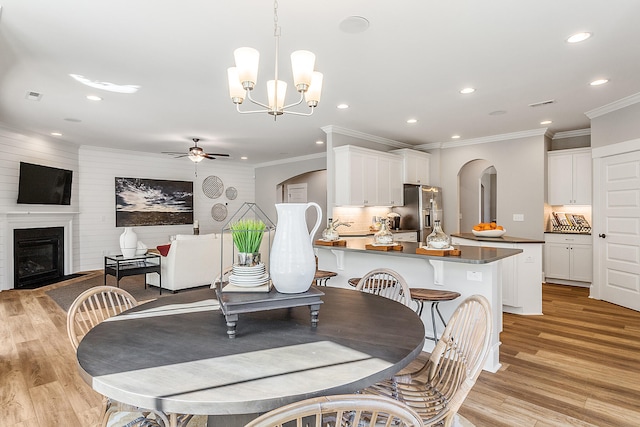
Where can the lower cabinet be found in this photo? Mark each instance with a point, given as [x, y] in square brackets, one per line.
[568, 258]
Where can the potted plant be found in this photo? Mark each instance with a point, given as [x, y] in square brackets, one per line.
[247, 236]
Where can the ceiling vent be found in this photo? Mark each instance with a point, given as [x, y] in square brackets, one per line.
[540, 104]
[34, 96]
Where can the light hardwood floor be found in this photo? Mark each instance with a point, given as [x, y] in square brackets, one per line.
[578, 365]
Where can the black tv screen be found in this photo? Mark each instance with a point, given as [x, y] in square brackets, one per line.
[44, 185]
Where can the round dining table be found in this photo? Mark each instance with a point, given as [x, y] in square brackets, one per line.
[173, 355]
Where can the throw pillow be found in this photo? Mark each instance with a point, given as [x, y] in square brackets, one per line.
[163, 249]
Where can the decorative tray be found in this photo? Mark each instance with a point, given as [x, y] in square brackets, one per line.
[438, 252]
[331, 242]
[374, 247]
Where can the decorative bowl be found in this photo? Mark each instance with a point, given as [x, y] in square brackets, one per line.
[489, 233]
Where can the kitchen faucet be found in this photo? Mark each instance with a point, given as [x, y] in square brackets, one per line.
[335, 224]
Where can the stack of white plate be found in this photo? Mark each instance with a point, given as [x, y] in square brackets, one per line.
[247, 277]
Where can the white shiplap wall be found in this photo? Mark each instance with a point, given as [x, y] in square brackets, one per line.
[98, 169]
[14, 148]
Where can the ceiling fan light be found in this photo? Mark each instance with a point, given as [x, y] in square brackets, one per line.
[236, 91]
[302, 63]
[312, 95]
[247, 60]
[271, 94]
[195, 158]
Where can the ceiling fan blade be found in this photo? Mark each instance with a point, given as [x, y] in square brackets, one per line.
[217, 154]
[208, 156]
[172, 152]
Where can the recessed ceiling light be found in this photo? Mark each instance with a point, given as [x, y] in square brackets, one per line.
[354, 24]
[546, 122]
[243, 158]
[111, 87]
[467, 90]
[94, 98]
[343, 106]
[455, 137]
[412, 121]
[578, 37]
[319, 142]
[56, 134]
[599, 82]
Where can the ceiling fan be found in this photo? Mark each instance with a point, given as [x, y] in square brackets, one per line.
[196, 154]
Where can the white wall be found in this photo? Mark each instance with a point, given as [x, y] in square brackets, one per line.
[520, 166]
[617, 126]
[100, 166]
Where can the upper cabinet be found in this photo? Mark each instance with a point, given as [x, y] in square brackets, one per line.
[366, 177]
[569, 179]
[416, 166]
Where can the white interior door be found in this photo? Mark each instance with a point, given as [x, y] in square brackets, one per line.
[619, 231]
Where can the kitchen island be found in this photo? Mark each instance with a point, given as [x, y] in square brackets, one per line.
[478, 270]
[522, 275]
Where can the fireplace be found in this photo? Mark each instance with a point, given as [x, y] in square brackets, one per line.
[38, 256]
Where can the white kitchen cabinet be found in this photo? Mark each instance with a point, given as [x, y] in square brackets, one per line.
[416, 166]
[569, 177]
[568, 258]
[366, 177]
[405, 236]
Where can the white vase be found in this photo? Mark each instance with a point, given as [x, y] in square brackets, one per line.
[128, 242]
[292, 262]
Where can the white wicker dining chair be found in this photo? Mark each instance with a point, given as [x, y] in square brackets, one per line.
[387, 283]
[437, 390]
[347, 410]
[90, 308]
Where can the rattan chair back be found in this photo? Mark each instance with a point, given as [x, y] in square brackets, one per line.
[341, 411]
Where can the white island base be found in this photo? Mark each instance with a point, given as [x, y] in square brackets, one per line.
[476, 271]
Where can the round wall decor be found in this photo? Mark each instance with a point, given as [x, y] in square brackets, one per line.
[231, 193]
[212, 187]
[219, 212]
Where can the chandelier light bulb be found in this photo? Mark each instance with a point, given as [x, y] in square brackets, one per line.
[236, 91]
[272, 93]
[247, 60]
[302, 63]
[312, 95]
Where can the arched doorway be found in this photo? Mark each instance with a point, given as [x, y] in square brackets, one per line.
[477, 193]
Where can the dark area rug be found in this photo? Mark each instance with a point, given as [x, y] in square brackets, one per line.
[65, 295]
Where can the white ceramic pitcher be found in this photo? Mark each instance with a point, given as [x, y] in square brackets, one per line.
[292, 262]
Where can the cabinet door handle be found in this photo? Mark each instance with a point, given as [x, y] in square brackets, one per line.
[602, 235]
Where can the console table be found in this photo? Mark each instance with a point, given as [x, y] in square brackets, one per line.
[119, 267]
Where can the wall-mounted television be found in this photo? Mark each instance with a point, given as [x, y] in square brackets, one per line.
[44, 185]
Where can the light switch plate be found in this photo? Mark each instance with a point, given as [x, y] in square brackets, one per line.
[518, 217]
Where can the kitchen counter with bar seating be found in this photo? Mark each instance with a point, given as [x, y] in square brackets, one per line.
[477, 270]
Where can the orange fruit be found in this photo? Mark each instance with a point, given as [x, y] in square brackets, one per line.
[493, 225]
[499, 227]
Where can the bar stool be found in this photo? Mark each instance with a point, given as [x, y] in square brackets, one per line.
[322, 276]
[434, 296]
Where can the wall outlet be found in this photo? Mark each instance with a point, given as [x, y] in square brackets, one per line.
[475, 276]
[529, 259]
[518, 217]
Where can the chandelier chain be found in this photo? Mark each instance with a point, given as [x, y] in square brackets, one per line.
[276, 28]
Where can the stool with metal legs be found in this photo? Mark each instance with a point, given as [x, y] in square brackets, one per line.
[434, 296]
[321, 276]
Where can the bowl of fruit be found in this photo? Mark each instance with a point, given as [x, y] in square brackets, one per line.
[488, 229]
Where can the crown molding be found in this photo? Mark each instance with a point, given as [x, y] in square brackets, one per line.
[365, 136]
[493, 138]
[616, 105]
[572, 133]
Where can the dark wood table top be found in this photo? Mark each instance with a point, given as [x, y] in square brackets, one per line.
[173, 354]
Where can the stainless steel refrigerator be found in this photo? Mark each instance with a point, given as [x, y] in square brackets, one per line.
[422, 206]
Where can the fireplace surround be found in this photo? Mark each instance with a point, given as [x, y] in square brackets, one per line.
[38, 256]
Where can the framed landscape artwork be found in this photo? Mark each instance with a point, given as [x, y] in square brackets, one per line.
[142, 201]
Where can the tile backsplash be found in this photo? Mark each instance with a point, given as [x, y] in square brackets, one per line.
[361, 218]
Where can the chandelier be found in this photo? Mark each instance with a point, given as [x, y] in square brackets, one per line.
[242, 78]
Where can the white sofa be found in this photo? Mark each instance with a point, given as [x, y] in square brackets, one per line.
[194, 261]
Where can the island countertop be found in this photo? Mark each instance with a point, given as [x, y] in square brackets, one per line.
[503, 239]
[469, 254]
